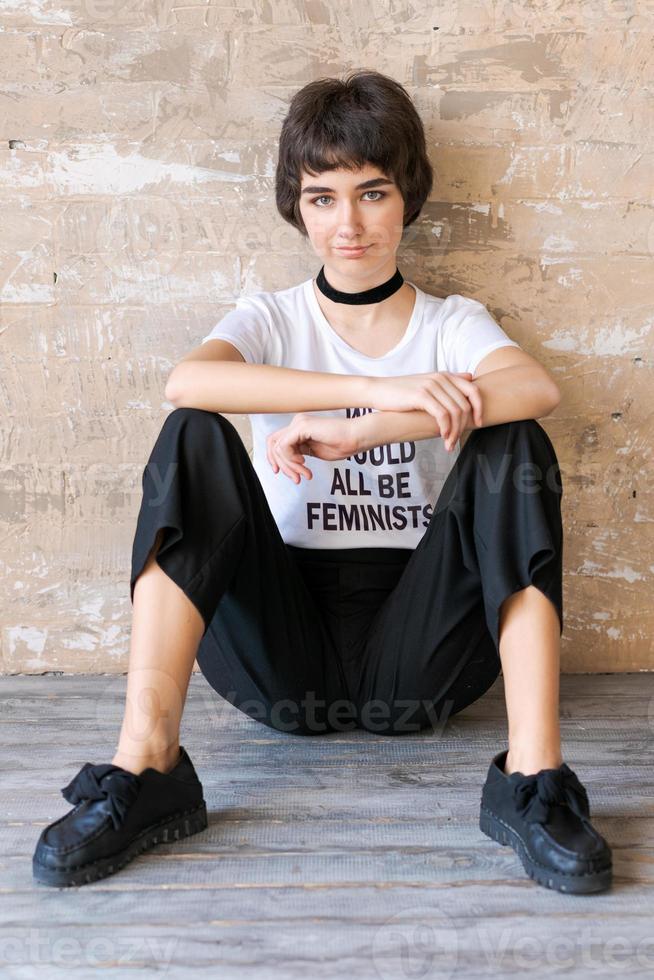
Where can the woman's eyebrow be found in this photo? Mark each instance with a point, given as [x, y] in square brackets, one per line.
[375, 182]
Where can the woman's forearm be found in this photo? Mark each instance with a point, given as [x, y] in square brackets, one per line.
[382, 428]
[507, 394]
[233, 387]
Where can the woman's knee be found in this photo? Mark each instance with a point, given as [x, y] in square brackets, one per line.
[540, 453]
[196, 417]
[197, 427]
[526, 444]
[505, 432]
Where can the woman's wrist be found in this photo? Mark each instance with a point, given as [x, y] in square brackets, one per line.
[369, 385]
[382, 428]
[365, 431]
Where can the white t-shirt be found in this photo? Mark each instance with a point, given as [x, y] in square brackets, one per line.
[383, 497]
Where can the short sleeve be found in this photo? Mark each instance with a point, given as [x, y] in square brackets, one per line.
[248, 328]
[468, 334]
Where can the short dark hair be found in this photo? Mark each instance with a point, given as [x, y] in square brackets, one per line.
[365, 118]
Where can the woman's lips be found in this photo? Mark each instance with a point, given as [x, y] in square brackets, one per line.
[353, 251]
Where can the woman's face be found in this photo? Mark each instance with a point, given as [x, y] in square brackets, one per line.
[337, 212]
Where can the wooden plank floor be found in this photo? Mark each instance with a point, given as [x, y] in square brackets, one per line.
[344, 855]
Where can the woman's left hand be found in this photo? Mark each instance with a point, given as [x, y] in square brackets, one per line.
[310, 435]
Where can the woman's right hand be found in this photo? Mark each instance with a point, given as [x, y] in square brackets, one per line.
[451, 397]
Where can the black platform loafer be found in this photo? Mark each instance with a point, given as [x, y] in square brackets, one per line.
[117, 815]
[545, 818]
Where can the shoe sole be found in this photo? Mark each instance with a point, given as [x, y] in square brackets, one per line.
[596, 881]
[173, 828]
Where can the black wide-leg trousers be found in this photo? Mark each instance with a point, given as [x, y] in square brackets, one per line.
[390, 640]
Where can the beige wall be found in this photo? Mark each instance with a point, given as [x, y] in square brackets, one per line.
[138, 202]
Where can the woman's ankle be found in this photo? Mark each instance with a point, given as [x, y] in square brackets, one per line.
[136, 760]
[532, 761]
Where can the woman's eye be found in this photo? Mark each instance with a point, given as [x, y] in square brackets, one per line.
[326, 197]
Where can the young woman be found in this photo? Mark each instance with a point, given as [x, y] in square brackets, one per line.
[362, 571]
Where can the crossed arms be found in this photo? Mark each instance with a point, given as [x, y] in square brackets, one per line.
[522, 390]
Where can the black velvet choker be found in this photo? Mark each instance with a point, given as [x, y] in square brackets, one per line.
[374, 295]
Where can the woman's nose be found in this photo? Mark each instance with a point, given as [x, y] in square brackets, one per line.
[348, 219]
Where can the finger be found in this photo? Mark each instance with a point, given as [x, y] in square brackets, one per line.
[287, 469]
[455, 393]
[290, 461]
[440, 394]
[284, 465]
[269, 454]
[293, 447]
[304, 450]
[293, 454]
[275, 452]
[464, 405]
[298, 462]
[279, 460]
[474, 397]
[440, 413]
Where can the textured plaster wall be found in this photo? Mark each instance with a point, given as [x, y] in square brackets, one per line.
[137, 158]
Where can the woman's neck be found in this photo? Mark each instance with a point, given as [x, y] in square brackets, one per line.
[365, 319]
[374, 331]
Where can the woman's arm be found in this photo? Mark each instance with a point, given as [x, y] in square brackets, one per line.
[507, 395]
[233, 388]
